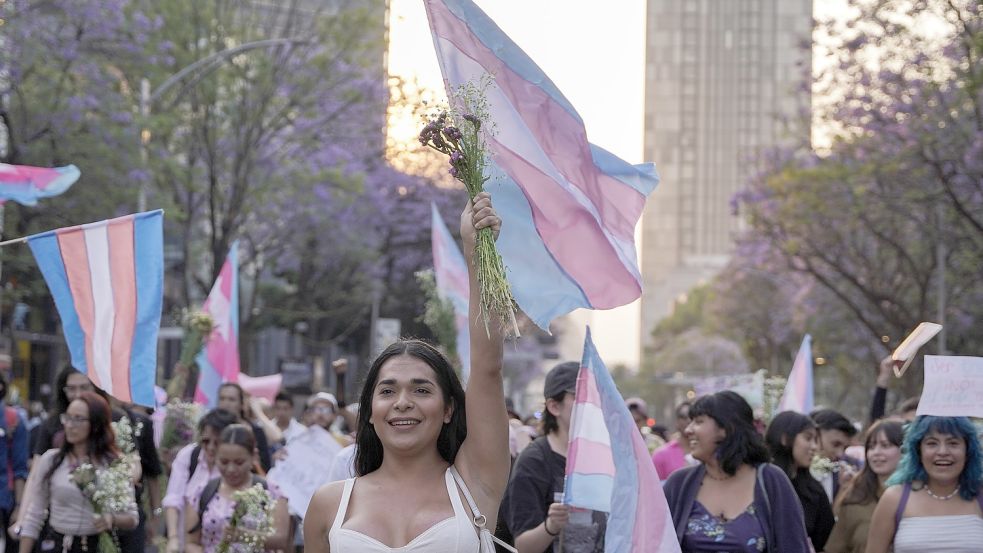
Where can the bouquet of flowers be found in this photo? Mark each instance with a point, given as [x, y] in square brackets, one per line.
[126, 435]
[198, 326]
[110, 490]
[822, 466]
[251, 523]
[179, 424]
[461, 134]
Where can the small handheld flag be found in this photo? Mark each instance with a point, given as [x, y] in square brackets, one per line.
[451, 274]
[107, 281]
[798, 394]
[24, 184]
[218, 362]
[569, 207]
[609, 468]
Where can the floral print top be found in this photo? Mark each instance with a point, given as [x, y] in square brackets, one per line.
[706, 533]
[216, 517]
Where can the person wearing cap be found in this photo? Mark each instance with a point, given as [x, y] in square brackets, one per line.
[530, 510]
[323, 408]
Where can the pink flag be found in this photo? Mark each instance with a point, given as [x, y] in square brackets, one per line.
[24, 184]
[261, 386]
[107, 281]
[609, 468]
[219, 360]
[798, 394]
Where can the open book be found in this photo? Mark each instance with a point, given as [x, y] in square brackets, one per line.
[910, 346]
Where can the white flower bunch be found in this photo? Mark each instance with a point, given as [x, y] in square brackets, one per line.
[110, 490]
[251, 523]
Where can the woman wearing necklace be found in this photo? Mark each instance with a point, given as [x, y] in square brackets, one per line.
[734, 501]
[933, 504]
[89, 438]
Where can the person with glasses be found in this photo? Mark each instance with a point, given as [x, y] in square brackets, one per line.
[193, 467]
[89, 438]
[69, 386]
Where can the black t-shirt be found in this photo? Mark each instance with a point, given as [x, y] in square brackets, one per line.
[537, 475]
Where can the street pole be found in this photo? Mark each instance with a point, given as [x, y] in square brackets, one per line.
[940, 267]
[144, 140]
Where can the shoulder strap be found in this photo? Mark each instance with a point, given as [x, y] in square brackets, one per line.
[193, 465]
[346, 495]
[764, 488]
[478, 519]
[207, 494]
[905, 492]
[12, 417]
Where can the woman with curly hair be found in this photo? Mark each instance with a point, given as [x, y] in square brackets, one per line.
[855, 506]
[934, 503]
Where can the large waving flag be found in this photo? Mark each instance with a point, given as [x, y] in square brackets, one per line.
[798, 394]
[569, 207]
[107, 281]
[25, 184]
[218, 361]
[451, 274]
[609, 468]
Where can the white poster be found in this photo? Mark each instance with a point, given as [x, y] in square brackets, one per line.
[306, 467]
[750, 386]
[953, 386]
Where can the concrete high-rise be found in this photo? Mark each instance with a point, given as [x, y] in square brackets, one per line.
[719, 76]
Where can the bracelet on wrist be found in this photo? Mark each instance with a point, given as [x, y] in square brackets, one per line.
[546, 526]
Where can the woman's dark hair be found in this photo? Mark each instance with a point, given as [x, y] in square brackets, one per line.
[242, 397]
[368, 449]
[741, 444]
[866, 487]
[102, 439]
[780, 439]
[217, 420]
[61, 398]
[549, 423]
[240, 435]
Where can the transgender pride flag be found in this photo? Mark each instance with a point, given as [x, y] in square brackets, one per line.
[609, 468]
[218, 362]
[107, 281]
[25, 184]
[451, 274]
[569, 208]
[798, 394]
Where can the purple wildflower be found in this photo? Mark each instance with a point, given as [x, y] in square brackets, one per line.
[473, 120]
[453, 133]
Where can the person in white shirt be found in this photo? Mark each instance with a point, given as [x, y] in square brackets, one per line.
[283, 414]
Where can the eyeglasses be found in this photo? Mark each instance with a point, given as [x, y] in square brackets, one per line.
[323, 410]
[69, 390]
[71, 420]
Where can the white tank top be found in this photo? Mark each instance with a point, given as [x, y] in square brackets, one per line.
[939, 534]
[456, 534]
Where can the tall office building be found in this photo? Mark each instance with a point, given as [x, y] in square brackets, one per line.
[719, 73]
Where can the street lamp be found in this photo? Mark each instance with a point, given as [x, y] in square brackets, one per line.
[198, 69]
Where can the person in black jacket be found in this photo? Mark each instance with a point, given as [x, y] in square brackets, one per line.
[792, 439]
[232, 398]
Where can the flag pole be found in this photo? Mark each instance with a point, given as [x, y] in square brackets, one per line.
[14, 241]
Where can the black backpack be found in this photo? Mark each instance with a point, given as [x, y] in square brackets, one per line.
[211, 490]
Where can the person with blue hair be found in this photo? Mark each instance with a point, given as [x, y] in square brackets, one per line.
[933, 504]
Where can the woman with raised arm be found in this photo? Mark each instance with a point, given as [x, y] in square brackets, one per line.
[414, 440]
[933, 504]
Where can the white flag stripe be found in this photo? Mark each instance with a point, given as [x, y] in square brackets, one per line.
[97, 245]
[589, 424]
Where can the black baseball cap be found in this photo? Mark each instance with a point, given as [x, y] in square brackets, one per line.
[561, 378]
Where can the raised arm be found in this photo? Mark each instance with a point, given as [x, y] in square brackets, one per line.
[483, 459]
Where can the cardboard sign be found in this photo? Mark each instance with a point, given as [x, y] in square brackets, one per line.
[953, 387]
[306, 468]
[906, 351]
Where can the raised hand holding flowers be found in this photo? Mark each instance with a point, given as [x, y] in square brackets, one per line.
[461, 134]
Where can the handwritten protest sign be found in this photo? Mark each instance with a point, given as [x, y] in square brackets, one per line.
[953, 387]
[750, 386]
[306, 467]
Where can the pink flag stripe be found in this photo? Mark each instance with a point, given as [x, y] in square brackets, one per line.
[124, 290]
[566, 229]
[560, 133]
[592, 457]
[588, 393]
[75, 258]
[653, 522]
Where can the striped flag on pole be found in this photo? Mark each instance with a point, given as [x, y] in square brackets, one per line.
[107, 281]
[798, 395]
[24, 184]
[218, 361]
[569, 207]
[609, 468]
[451, 274]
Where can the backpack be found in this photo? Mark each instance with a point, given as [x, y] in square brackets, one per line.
[193, 464]
[211, 490]
[11, 420]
